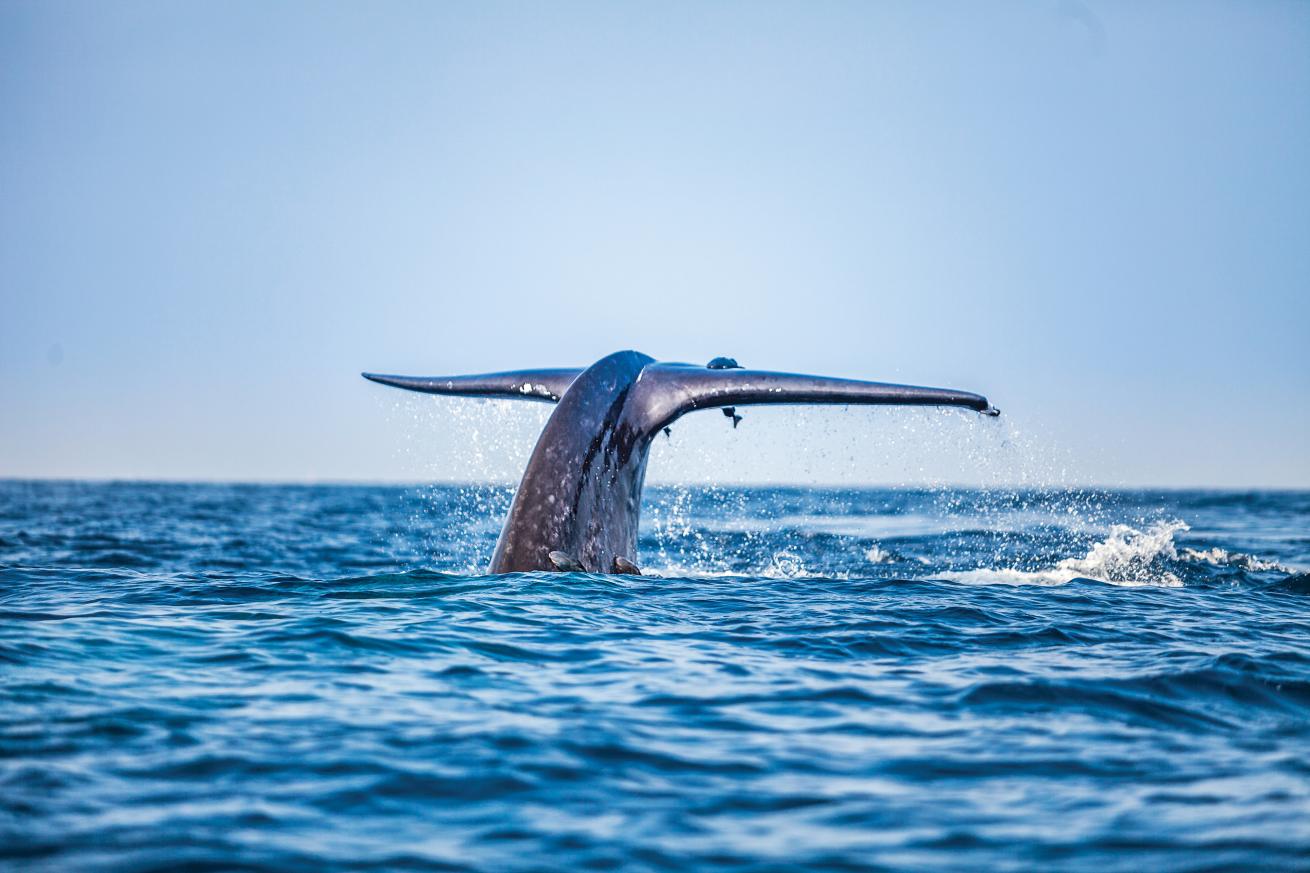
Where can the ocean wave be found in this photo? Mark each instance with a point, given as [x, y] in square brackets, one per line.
[289, 677]
[1127, 557]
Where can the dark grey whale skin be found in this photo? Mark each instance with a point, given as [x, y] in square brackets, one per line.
[581, 491]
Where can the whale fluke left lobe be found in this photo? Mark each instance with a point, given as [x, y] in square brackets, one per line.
[547, 385]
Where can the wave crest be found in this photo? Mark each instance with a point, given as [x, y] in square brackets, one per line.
[1127, 557]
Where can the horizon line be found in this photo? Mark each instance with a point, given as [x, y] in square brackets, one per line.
[469, 483]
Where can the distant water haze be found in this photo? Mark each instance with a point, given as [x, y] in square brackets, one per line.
[212, 217]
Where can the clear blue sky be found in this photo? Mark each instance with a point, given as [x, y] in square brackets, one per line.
[213, 215]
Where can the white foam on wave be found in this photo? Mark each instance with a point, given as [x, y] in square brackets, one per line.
[1222, 558]
[1126, 557]
[878, 555]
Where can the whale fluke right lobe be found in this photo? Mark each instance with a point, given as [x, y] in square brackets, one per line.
[683, 388]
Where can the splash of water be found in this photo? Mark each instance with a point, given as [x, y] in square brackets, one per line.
[875, 554]
[1127, 557]
[482, 446]
[487, 443]
[903, 447]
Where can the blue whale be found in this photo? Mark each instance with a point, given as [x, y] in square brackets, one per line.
[579, 501]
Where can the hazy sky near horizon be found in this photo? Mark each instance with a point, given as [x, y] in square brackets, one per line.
[214, 215]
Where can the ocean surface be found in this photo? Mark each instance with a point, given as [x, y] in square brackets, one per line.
[235, 677]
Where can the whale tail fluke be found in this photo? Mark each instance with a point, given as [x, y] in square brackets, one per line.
[578, 504]
[546, 385]
[676, 389]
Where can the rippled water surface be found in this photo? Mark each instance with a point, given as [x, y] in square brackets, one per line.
[274, 677]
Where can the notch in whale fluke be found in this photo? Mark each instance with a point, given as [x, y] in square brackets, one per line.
[547, 385]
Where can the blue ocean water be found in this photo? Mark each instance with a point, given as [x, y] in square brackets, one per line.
[237, 677]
